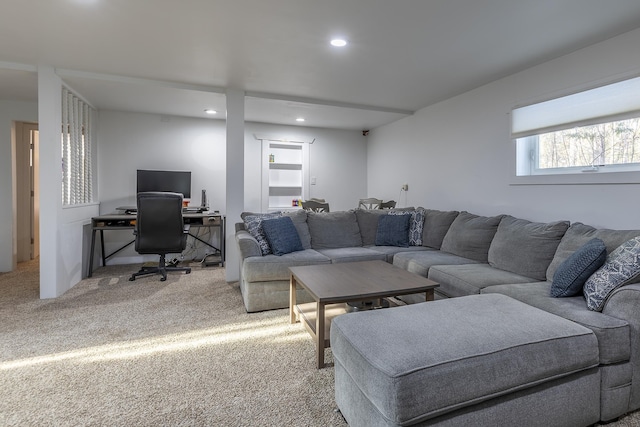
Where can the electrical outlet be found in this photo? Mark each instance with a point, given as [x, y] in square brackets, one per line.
[405, 187]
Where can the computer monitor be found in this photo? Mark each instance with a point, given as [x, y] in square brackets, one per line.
[172, 181]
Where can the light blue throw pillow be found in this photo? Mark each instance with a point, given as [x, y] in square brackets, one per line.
[393, 230]
[622, 267]
[282, 235]
[572, 274]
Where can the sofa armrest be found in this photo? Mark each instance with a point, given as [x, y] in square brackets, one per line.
[623, 304]
[248, 244]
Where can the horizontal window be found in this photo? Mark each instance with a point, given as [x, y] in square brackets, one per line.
[597, 130]
[605, 147]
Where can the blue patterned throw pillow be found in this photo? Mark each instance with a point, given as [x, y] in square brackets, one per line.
[571, 275]
[282, 235]
[253, 224]
[416, 225]
[622, 267]
[393, 230]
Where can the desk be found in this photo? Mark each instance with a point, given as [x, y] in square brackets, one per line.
[123, 221]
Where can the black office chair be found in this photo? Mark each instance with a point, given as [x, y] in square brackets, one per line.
[160, 230]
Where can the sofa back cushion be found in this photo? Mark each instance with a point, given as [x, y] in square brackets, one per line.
[470, 236]
[436, 225]
[578, 234]
[524, 247]
[299, 218]
[368, 224]
[331, 230]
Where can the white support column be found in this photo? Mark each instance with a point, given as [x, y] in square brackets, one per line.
[49, 120]
[235, 178]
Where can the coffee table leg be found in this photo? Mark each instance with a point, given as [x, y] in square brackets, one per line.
[320, 334]
[429, 295]
[292, 300]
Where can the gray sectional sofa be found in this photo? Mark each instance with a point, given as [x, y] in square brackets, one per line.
[517, 354]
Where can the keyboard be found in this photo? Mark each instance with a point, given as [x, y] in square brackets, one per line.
[192, 210]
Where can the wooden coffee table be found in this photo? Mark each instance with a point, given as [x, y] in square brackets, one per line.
[333, 285]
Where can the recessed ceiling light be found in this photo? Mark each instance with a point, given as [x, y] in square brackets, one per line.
[210, 111]
[300, 119]
[338, 42]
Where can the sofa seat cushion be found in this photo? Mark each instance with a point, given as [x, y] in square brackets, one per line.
[406, 359]
[420, 262]
[461, 280]
[271, 267]
[352, 254]
[390, 251]
[612, 333]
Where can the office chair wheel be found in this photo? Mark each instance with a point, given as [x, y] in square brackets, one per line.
[187, 272]
[162, 279]
[132, 278]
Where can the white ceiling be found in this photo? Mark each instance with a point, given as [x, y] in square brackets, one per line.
[178, 57]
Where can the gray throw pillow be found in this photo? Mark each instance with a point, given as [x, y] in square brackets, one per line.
[572, 274]
[470, 236]
[393, 230]
[524, 247]
[621, 268]
[282, 235]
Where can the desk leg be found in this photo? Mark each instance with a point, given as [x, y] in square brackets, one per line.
[292, 300]
[92, 249]
[104, 258]
[320, 334]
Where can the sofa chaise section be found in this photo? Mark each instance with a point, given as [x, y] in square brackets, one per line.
[465, 361]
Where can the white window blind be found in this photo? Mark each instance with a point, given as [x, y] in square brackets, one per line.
[76, 150]
[616, 101]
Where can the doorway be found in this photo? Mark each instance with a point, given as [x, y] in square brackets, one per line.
[27, 191]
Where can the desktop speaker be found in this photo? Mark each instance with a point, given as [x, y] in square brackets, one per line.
[204, 198]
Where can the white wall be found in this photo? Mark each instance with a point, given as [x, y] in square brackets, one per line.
[10, 111]
[337, 159]
[457, 154]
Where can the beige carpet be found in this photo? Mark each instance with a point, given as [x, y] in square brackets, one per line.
[147, 353]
